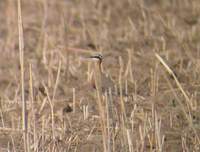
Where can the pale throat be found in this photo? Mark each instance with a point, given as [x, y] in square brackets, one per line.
[97, 73]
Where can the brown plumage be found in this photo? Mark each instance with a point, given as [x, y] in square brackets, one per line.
[103, 82]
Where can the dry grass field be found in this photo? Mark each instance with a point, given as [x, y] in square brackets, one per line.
[53, 98]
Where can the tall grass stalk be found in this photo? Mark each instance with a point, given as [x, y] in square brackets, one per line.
[21, 58]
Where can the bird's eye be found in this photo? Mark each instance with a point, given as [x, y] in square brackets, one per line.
[99, 56]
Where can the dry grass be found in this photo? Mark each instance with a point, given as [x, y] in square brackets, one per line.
[151, 51]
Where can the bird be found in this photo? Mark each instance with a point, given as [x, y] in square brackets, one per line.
[103, 83]
[100, 80]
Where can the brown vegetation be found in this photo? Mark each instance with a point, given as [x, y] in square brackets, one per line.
[150, 52]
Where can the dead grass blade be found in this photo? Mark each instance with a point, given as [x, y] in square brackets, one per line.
[21, 55]
[188, 102]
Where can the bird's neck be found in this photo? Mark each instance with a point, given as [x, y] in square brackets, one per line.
[98, 75]
[98, 67]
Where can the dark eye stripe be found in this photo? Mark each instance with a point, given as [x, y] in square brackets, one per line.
[99, 56]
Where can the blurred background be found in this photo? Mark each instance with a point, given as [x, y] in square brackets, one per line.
[157, 114]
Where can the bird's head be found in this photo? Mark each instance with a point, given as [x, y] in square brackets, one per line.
[97, 57]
